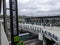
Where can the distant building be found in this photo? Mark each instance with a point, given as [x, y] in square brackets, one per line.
[44, 20]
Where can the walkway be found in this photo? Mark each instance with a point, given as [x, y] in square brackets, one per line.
[4, 40]
[50, 32]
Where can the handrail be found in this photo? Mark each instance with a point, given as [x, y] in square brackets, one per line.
[36, 28]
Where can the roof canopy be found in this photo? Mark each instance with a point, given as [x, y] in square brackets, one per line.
[42, 17]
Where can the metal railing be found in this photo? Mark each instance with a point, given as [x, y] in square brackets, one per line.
[37, 29]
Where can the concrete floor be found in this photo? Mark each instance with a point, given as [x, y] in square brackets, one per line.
[4, 40]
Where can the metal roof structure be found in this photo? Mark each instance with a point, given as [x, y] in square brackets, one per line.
[58, 16]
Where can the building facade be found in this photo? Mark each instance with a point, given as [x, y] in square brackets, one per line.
[44, 20]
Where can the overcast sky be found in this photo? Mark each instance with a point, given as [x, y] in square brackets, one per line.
[38, 7]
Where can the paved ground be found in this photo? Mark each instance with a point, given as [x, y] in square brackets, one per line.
[4, 40]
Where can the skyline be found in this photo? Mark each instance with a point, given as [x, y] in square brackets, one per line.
[28, 7]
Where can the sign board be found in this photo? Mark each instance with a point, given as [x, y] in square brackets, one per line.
[14, 22]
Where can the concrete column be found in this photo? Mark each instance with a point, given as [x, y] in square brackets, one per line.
[40, 36]
[44, 40]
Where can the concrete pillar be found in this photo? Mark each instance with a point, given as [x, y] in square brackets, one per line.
[40, 36]
[44, 40]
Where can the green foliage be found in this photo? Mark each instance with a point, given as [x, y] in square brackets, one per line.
[1, 16]
[20, 17]
[20, 21]
[20, 43]
[16, 38]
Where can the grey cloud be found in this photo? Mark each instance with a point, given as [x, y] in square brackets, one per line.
[38, 7]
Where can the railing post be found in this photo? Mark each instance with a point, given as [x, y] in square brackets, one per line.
[44, 40]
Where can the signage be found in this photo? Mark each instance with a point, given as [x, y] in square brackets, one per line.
[14, 22]
[15, 39]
